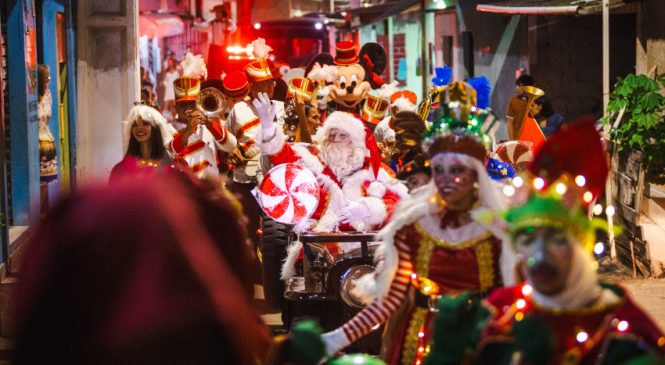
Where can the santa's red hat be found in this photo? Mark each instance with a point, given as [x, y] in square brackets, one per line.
[360, 135]
[346, 53]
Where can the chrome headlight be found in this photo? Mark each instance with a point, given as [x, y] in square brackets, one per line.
[347, 284]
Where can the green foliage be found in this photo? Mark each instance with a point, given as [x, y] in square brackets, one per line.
[643, 124]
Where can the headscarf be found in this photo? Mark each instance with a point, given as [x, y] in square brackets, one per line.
[135, 273]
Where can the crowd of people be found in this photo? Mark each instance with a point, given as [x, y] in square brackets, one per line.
[485, 255]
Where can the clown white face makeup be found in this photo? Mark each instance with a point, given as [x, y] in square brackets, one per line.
[546, 257]
[455, 181]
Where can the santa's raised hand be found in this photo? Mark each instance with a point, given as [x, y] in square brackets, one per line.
[266, 113]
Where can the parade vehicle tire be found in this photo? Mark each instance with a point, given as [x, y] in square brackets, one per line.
[275, 237]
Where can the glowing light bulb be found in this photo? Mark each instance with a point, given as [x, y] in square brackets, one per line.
[580, 180]
[518, 182]
[538, 183]
[520, 304]
[599, 248]
[582, 337]
[508, 190]
[561, 188]
[519, 316]
[622, 326]
[587, 197]
[257, 26]
[527, 290]
[597, 209]
[421, 334]
[610, 210]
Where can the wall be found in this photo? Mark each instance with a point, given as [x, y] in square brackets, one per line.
[108, 75]
[651, 36]
[566, 59]
[500, 49]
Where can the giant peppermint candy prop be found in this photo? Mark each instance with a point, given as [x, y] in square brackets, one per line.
[289, 193]
[516, 153]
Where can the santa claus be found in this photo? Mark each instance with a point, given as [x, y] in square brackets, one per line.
[357, 191]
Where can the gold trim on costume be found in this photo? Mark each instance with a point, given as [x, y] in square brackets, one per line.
[485, 265]
[410, 346]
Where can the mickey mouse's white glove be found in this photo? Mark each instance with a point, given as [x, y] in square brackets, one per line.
[322, 98]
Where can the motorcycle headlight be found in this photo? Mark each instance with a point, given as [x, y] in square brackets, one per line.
[346, 284]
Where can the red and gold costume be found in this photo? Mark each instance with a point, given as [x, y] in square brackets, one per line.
[470, 263]
[578, 336]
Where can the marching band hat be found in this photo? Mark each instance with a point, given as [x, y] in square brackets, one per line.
[186, 88]
[258, 70]
[347, 53]
[302, 87]
[374, 109]
[406, 94]
[235, 85]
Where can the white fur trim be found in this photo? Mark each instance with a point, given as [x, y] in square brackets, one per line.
[274, 145]
[288, 268]
[376, 189]
[343, 121]
[152, 116]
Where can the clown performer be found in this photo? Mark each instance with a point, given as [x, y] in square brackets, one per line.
[198, 142]
[432, 247]
[357, 191]
[563, 313]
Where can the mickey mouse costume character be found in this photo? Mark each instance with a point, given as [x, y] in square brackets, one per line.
[357, 73]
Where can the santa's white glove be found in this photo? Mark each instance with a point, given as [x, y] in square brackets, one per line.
[335, 341]
[353, 211]
[322, 98]
[266, 113]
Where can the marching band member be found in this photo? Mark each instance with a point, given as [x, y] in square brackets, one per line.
[198, 142]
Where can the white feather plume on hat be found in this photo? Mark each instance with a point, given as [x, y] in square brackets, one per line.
[194, 66]
[387, 90]
[322, 74]
[259, 49]
[404, 105]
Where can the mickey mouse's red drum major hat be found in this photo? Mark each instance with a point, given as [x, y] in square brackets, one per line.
[236, 85]
[346, 53]
[186, 88]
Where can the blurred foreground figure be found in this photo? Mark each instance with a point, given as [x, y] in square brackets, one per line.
[150, 271]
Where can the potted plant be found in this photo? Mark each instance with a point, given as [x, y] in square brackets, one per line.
[641, 129]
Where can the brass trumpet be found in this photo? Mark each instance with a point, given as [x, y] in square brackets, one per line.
[532, 93]
[211, 102]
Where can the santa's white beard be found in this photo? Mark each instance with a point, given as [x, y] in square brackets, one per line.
[342, 157]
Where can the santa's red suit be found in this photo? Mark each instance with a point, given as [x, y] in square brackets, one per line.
[340, 182]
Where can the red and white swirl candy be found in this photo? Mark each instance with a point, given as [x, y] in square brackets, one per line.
[289, 193]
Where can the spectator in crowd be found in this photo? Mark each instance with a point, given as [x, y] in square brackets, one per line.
[548, 120]
[140, 273]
